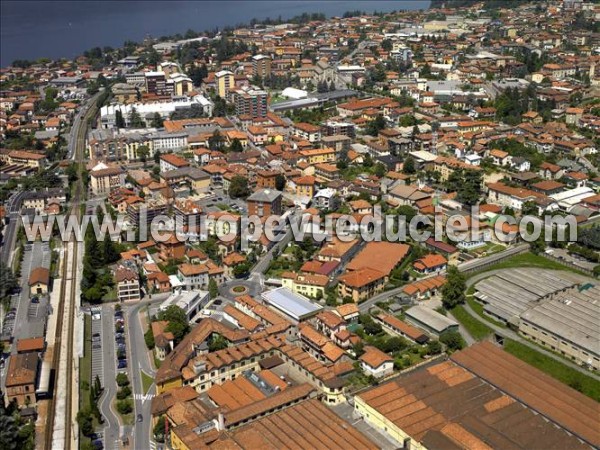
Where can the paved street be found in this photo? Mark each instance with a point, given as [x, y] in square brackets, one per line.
[139, 360]
[111, 425]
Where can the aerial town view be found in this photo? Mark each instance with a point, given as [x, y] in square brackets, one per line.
[300, 224]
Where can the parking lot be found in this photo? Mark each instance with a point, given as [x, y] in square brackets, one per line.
[97, 357]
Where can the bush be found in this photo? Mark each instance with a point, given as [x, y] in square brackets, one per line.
[122, 379]
[125, 406]
[149, 338]
[123, 393]
[453, 340]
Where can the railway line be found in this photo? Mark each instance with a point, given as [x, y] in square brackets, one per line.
[61, 425]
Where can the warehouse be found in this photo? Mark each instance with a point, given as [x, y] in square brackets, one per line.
[294, 306]
[431, 321]
[568, 323]
[506, 295]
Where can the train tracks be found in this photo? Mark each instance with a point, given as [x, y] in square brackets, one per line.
[61, 420]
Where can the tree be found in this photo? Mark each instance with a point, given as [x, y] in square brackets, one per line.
[125, 406]
[213, 289]
[375, 125]
[143, 151]
[97, 386]
[84, 420]
[453, 292]
[178, 323]
[394, 344]
[387, 45]
[217, 342]
[109, 254]
[122, 379]
[159, 430]
[453, 340]
[280, 182]
[135, 119]
[149, 338]
[372, 328]
[409, 165]
[238, 187]
[119, 120]
[434, 348]
[236, 146]
[123, 393]
[216, 141]
[157, 121]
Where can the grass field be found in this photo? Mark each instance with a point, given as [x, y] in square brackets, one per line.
[478, 330]
[527, 260]
[147, 381]
[478, 308]
[583, 383]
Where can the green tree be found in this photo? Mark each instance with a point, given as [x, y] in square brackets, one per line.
[238, 187]
[375, 125]
[122, 379]
[149, 339]
[135, 119]
[125, 406]
[213, 289]
[236, 146]
[109, 253]
[453, 292]
[159, 430]
[453, 340]
[178, 323]
[217, 342]
[409, 165]
[280, 182]
[123, 393]
[434, 348]
[157, 121]
[143, 151]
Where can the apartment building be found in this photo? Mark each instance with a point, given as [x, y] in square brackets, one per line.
[128, 284]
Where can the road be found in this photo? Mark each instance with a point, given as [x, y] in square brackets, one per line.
[62, 429]
[139, 360]
[13, 206]
[109, 383]
[469, 266]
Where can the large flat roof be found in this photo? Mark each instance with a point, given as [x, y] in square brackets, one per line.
[485, 398]
[573, 315]
[294, 305]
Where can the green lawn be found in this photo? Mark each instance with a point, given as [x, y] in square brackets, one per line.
[527, 260]
[478, 308]
[85, 364]
[478, 330]
[147, 381]
[583, 383]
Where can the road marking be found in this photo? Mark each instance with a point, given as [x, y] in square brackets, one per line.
[143, 397]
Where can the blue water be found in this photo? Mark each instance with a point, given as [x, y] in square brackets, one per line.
[55, 29]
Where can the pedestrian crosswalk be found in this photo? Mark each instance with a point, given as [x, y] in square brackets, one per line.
[143, 397]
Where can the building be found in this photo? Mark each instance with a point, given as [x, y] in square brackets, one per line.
[20, 379]
[310, 284]
[225, 83]
[104, 179]
[431, 263]
[294, 306]
[429, 320]
[163, 340]
[400, 328]
[261, 66]
[128, 284]
[191, 302]
[264, 203]
[376, 363]
[171, 161]
[473, 401]
[39, 281]
[251, 101]
[567, 323]
[361, 284]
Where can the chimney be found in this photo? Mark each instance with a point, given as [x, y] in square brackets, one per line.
[406, 443]
[221, 422]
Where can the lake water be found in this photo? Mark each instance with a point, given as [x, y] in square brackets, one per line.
[54, 29]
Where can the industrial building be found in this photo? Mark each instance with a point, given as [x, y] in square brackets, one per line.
[294, 306]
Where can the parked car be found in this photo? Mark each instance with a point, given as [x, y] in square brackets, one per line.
[97, 345]
[35, 299]
[122, 364]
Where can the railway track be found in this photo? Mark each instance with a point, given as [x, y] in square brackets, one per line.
[59, 427]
